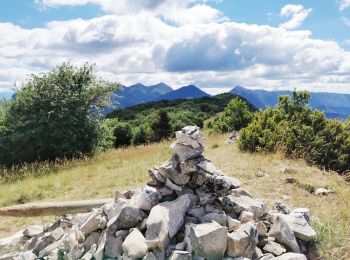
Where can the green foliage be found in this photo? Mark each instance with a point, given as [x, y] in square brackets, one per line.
[294, 128]
[107, 137]
[54, 115]
[236, 116]
[180, 112]
[122, 134]
[161, 128]
[141, 135]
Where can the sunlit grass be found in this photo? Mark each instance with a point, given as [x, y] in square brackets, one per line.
[121, 169]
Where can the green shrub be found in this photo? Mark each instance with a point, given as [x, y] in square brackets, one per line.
[123, 134]
[54, 115]
[107, 137]
[236, 115]
[296, 130]
[141, 135]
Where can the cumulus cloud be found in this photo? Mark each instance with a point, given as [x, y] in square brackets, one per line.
[140, 47]
[297, 15]
[343, 4]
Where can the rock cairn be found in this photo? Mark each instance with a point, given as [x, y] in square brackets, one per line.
[188, 210]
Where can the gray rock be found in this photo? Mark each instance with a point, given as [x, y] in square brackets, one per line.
[48, 239]
[232, 224]
[291, 256]
[262, 229]
[34, 230]
[99, 254]
[165, 220]
[266, 257]
[239, 192]
[274, 248]
[73, 244]
[92, 239]
[190, 135]
[220, 218]
[242, 242]
[12, 240]
[280, 207]
[147, 199]
[198, 212]
[246, 216]
[301, 227]
[207, 167]
[95, 221]
[186, 152]
[244, 203]
[180, 255]
[19, 256]
[204, 197]
[209, 240]
[113, 246]
[156, 175]
[172, 185]
[304, 211]
[191, 166]
[219, 185]
[171, 169]
[150, 256]
[135, 245]
[283, 234]
[113, 209]
[129, 217]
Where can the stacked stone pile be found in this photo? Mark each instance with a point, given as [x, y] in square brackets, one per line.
[188, 210]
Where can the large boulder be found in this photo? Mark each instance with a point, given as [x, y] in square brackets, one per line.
[283, 234]
[244, 203]
[135, 246]
[165, 220]
[209, 240]
[242, 242]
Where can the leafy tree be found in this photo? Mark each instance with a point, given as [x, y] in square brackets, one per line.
[122, 134]
[161, 127]
[236, 115]
[107, 137]
[54, 115]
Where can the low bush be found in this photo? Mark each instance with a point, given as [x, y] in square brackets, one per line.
[295, 129]
[236, 115]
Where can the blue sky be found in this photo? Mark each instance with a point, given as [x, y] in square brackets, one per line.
[213, 44]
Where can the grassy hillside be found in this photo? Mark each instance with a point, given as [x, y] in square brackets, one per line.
[122, 169]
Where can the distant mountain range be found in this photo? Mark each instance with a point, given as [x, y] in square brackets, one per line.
[334, 105]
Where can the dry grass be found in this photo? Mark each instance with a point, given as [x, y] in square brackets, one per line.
[121, 169]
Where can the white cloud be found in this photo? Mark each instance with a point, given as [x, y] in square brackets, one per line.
[143, 47]
[297, 15]
[343, 4]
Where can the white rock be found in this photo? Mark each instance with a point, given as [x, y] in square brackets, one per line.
[129, 217]
[34, 230]
[165, 220]
[323, 192]
[209, 240]
[232, 224]
[171, 169]
[242, 242]
[147, 199]
[12, 240]
[301, 227]
[246, 216]
[291, 256]
[135, 245]
[274, 248]
[283, 234]
[99, 254]
[180, 255]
